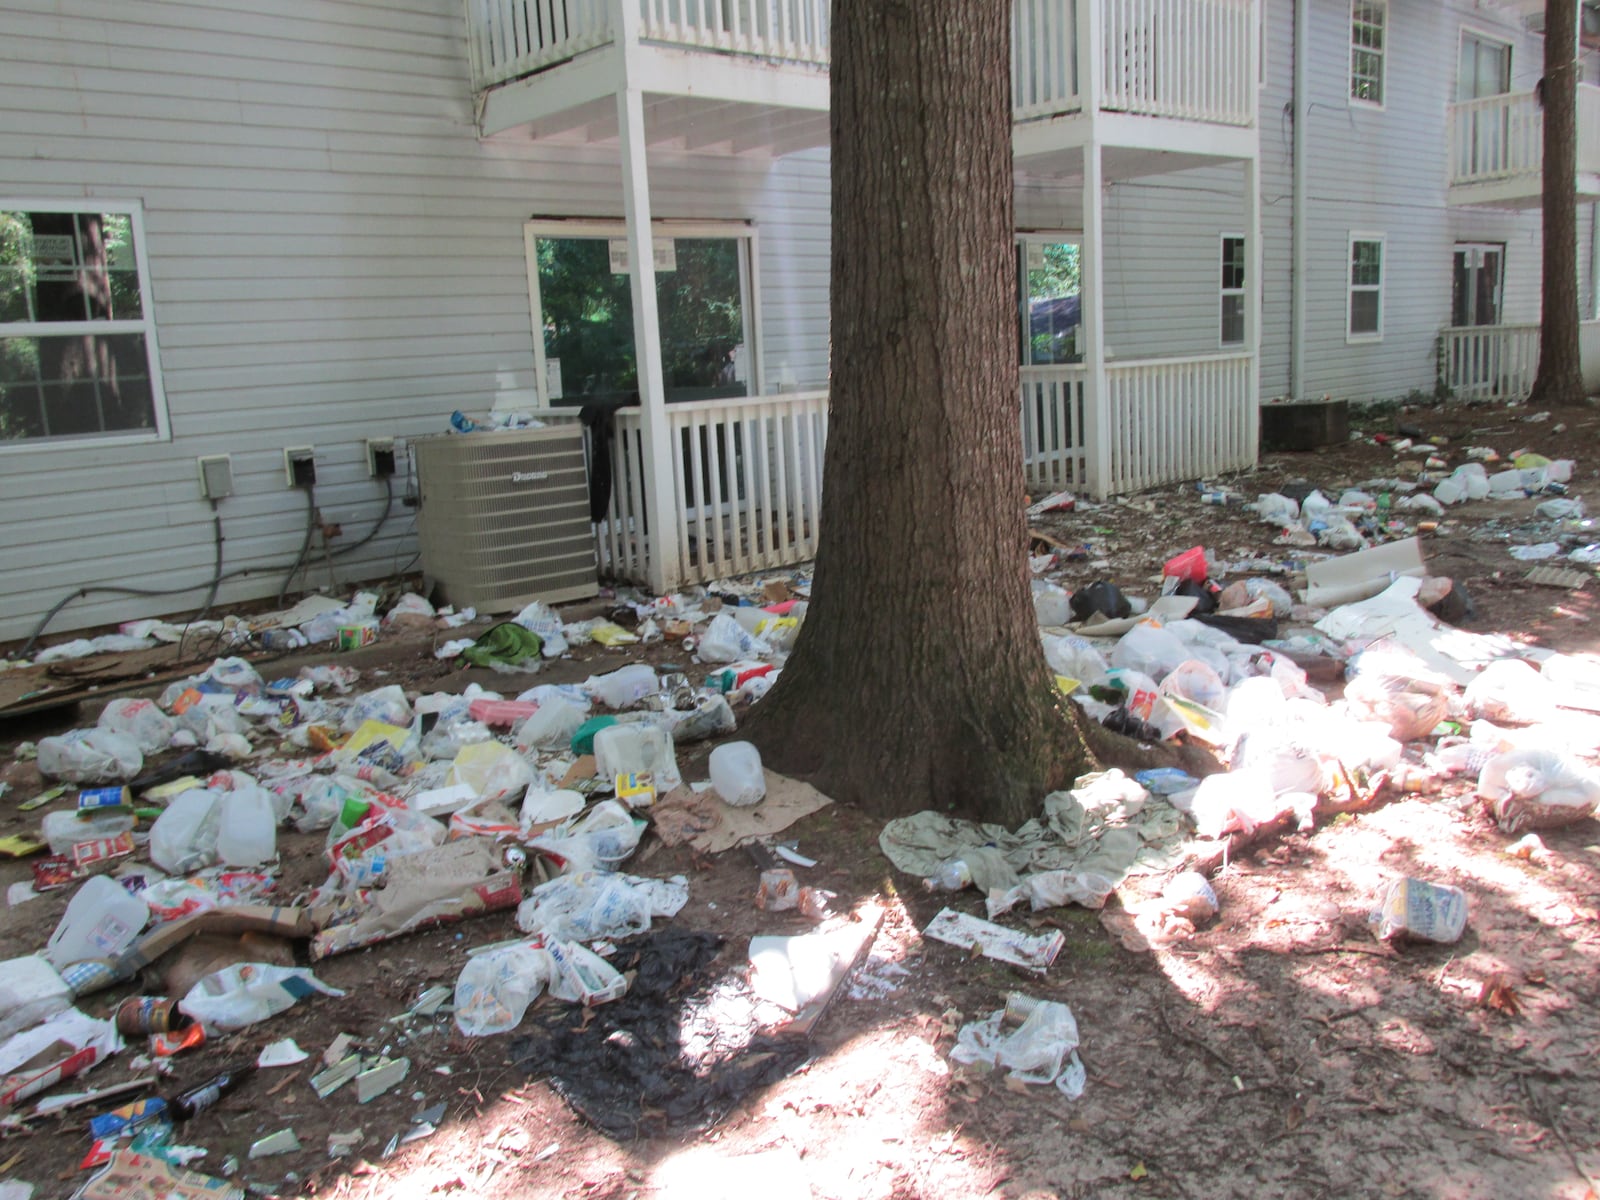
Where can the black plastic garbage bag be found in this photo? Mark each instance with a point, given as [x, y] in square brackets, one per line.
[1100, 597]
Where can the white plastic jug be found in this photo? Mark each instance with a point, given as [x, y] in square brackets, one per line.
[247, 834]
[624, 687]
[184, 838]
[637, 747]
[736, 774]
[101, 921]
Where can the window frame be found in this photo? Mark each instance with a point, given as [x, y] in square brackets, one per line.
[1383, 57]
[144, 325]
[1242, 291]
[1472, 33]
[1021, 241]
[1351, 287]
[584, 227]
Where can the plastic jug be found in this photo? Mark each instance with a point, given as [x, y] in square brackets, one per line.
[184, 838]
[101, 921]
[247, 834]
[736, 774]
[624, 687]
[636, 748]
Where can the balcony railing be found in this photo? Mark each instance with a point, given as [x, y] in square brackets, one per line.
[1502, 137]
[1184, 59]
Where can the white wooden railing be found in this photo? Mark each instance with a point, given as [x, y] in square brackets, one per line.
[508, 39]
[1189, 59]
[1502, 137]
[1489, 362]
[1172, 419]
[1054, 456]
[792, 30]
[747, 487]
[1044, 67]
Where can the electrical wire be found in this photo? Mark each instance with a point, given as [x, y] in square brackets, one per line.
[219, 577]
[305, 545]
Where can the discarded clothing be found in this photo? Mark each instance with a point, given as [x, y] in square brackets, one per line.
[507, 643]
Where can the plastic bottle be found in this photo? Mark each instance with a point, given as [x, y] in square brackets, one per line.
[951, 876]
[101, 921]
[197, 1099]
[248, 833]
[63, 830]
[736, 774]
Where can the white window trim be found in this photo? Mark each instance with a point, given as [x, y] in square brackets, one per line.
[1022, 239]
[1383, 60]
[1222, 292]
[584, 227]
[1350, 287]
[1497, 39]
[134, 210]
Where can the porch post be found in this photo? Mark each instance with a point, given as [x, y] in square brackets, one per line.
[1091, 315]
[662, 568]
[1252, 304]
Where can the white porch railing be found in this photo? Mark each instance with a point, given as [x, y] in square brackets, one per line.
[1189, 59]
[793, 30]
[1490, 362]
[747, 485]
[1054, 456]
[1182, 418]
[508, 39]
[1502, 137]
[1044, 67]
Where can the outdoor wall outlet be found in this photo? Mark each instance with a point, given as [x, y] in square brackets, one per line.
[380, 457]
[216, 475]
[299, 466]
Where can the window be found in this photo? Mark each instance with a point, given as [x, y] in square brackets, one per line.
[1364, 321]
[77, 343]
[583, 308]
[1368, 22]
[1049, 313]
[1232, 289]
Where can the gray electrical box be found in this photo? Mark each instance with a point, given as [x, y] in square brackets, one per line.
[216, 476]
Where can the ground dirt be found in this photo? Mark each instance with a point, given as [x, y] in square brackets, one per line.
[1281, 1051]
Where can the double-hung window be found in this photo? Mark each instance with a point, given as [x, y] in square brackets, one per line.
[1364, 309]
[1369, 27]
[78, 356]
[1232, 333]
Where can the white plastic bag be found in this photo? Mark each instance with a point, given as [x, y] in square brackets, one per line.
[239, 996]
[603, 837]
[1044, 1049]
[184, 837]
[140, 720]
[1075, 657]
[551, 727]
[494, 989]
[1193, 680]
[725, 640]
[235, 674]
[30, 991]
[492, 769]
[1151, 649]
[1234, 800]
[1052, 889]
[387, 705]
[1509, 689]
[1537, 789]
[89, 756]
[1052, 604]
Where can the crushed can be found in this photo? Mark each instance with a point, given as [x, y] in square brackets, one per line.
[139, 1015]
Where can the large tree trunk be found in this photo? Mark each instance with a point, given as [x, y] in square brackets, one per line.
[1560, 378]
[918, 680]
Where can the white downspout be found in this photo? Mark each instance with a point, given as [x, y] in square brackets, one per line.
[1594, 261]
[1299, 243]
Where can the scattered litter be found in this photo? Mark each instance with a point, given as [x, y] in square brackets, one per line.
[1032, 952]
[1414, 908]
[1033, 1041]
[281, 1142]
[1557, 577]
[284, 1053]
[383, 1076]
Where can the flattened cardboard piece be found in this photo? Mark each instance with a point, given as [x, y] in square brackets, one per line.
[1358, 576]
[275, 921]
[710, 826]
[1167, 608]
[1032, 952]
[803, 972]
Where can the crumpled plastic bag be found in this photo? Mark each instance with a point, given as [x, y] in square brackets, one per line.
[1537, 789]
[603, 837]
[725, 640]
[1509, 689]
[1403, 695]
[590, 905]
[1052, 889]
[1044, 1049]
[494, 989]
[140, 720]
[386, 705]
[237, 997]
[492, 769]
[1149, 648]
[89, 756]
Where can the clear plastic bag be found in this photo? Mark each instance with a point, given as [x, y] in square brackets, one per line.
[1510, 690]
[492, 769]
[140, 720]
[387, 705]
[725, 640]
[184, 837]
[603, 837]
[494, 989]
[89, 756]
[241, 995]
[1044, 1049]
[235, 674]
[589, 905]
[1193, 680]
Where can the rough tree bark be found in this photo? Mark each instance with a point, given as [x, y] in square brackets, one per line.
[918, 680]
[1560, 377]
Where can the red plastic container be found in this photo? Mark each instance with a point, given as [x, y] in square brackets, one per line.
[1190, 565]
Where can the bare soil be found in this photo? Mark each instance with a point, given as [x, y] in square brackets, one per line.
[1282, 1051]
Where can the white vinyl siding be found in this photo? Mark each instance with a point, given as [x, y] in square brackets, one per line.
[333, 255]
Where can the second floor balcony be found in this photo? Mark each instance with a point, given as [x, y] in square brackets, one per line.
[1497, 150]
[1132, 65]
